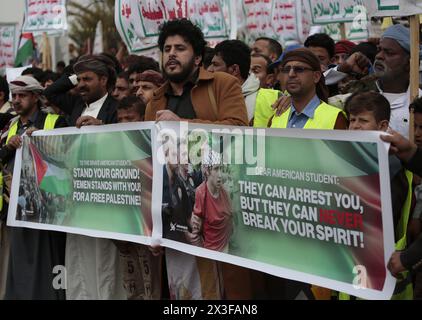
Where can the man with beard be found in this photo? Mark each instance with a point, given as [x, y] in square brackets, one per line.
[302, 76]
[33, 253]
[193, 94]
[94, 78]
[392, 63]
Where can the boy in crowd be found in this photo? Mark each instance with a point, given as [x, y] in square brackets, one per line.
[371, 111]
[130, 109]
[142, 276]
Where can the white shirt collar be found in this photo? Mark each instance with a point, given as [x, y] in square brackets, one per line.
[93, 109]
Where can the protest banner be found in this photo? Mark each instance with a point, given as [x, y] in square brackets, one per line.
[8, 42]
[390, 8]
[126, 28]
[286, 21]
[334, 11]
[340, 19]
[45, 16]
[318, 210]
[352, 32]
[138, 21]
[77, 182]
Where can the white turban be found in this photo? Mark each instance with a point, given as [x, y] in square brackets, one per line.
[24, 84]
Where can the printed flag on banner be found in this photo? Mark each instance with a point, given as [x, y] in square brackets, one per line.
[50, 177]
[26, 50]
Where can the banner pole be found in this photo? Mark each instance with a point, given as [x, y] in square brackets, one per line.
[414, 68]
[343, 31]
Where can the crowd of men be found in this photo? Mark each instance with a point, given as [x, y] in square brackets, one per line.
[320, 85]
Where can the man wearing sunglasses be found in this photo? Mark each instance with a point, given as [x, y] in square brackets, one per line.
[302, 77]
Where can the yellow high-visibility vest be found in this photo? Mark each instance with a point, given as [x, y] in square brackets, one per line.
[263, 107]
[325, 117]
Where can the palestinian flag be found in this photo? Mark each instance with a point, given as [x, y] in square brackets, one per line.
[50, 177]
[26, 50]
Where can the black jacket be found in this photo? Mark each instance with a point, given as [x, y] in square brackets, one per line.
[73, 105]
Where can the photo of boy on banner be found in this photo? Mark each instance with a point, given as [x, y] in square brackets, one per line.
[211, 220]
[197, 207]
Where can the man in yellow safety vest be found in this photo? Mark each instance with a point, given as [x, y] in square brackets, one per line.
[303, 79]
[28, 256]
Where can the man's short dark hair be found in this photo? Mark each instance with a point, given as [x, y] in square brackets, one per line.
[123, 75]
[4, 87]
[132, 102]
[61, 64]
[235, 52]
[49, 75]
[416, 105]
[322, 40]
[369, 49]
[35, 72]
[274, 46]
[117, 65]
[143, 63]
[187, 30]
[368, 101]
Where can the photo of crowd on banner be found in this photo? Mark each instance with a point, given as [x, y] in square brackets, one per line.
[44, 203]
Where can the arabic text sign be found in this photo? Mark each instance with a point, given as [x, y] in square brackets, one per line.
[352, 33]
[284, 19]
[46, 15]
[138, 21]
[388, 8]
[123, 16]
[278, 19]
[7, 46]
[332, 11]
[258, 17]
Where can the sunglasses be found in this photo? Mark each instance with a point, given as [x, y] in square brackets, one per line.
[296, 69]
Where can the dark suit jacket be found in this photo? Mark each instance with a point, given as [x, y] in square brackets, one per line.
[73, 105]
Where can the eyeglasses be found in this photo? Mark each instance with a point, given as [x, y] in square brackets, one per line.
[296, 69]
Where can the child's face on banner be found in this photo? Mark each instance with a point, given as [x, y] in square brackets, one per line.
[215, 176]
